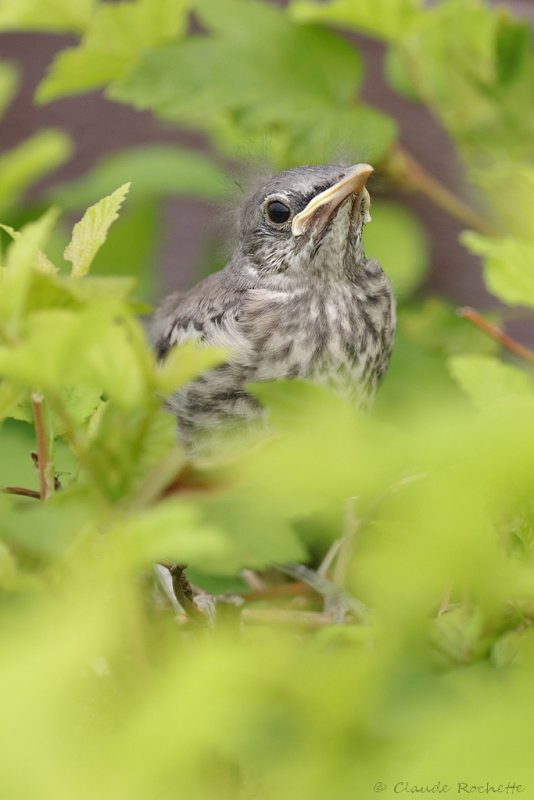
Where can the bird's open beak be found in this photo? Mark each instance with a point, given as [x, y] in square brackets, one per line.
[325, 203]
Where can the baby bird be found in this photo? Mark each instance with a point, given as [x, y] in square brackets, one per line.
[298, 298]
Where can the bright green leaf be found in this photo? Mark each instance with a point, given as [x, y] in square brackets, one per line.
[476, 76]
[256, 533]
[127, 462]
[187, 362]
[20, 262]
[436, 326]
[513, 47]
[203, 77]
[485, 379]
[508, 190]
[30, 161]
[90, 233]
[115, 39]
[172, 532]
[385, 19]
[508, 267]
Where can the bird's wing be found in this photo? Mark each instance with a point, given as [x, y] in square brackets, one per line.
[209, 313]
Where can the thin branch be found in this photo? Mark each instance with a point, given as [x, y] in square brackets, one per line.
[183, 591]
[350, 530]
[44, 464]
[299, 619]
[282, 590]
[329, 558]
[335, 600]
[254, 581]
[476, 319]
[406, 171]
[21, 491]
[79, 446]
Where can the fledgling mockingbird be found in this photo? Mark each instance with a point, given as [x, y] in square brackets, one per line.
[298, 298]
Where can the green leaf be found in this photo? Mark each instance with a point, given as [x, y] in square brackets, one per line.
[117, 36]
[129, 254]
[398, 241]
[22, 252]
[238, 513]
[459, 637]
[171, 532]
[16, 276]
[436, 326]
[361, 134]
[52, 15]
[385, 19]
[186, 362]
[153, 170]
[79, 402]
[9, 399]
[89, 348]
[398, 74]
[203, 78]
[485, 379]
[477, 77]
[508, 187]
[30, 161]
[90, 233]
[9, 82]
[513, 47]
[126, 462]
[508, 267]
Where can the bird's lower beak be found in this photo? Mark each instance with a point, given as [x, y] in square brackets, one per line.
[324, 204]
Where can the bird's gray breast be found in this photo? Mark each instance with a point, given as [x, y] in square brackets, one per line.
[338, 332]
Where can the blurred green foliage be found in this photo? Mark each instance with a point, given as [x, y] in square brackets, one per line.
[105, 691]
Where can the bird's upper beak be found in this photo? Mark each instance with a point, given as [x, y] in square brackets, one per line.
[325, 203]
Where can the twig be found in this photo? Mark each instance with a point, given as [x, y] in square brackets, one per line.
[335, 599]
[445, 602]
[300, 619]
[410, 174]
[20, 490]
[329, 558]
[183, 592]
[79, 446]
[253, 580]
[282, 590]
[476, 319]
[44, 464]
[350, 529]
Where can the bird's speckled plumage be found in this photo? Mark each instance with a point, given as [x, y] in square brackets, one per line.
[309, 306]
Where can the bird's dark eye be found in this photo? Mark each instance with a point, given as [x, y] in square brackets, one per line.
[278, 212]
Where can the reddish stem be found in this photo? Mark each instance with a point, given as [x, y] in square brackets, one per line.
[476, 319]
[46, 477]
[22, 491]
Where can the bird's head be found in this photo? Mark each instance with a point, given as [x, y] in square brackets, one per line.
[309, 218]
